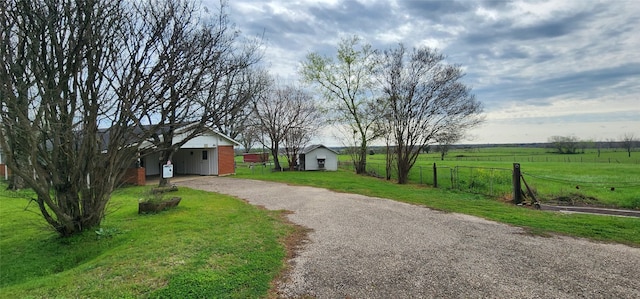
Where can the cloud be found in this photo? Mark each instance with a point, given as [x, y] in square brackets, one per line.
[509, 31]
[535, 57]
[585, 85]
[438, 11]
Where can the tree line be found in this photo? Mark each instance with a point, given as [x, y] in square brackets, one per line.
[572, 144]
[90, 87]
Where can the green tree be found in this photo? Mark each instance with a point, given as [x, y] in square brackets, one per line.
[347, 82]
[564, 144]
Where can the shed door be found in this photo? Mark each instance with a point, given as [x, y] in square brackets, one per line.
[204, 163]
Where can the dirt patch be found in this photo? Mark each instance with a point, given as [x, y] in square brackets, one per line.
[576, 199]
[294, 242]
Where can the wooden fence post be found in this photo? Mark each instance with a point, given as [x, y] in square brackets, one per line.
[517, 187]
[435, 176]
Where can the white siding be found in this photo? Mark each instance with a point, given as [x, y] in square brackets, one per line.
[152, 164]
[189, 161]
[208, 140]
[311, 159]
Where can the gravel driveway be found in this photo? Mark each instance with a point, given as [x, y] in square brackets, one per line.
[364, 247]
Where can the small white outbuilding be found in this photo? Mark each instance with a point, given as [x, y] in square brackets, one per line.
[318, 157]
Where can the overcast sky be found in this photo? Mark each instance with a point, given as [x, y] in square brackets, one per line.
[540, 68]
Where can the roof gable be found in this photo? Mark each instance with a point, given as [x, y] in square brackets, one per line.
[181, 130]
[311, 148]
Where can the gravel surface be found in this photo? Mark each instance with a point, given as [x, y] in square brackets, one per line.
[364, 247]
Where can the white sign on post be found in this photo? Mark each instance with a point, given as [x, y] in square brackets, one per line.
[167, 171]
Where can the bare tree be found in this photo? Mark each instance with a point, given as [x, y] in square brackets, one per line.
[628, 142]
[287, 117]
[57, 89]
[383, 126]
[198, 75]
[297, 138]
[249, 136]
[70, 69]
[347, 81]
[232, 104]
[426, 99]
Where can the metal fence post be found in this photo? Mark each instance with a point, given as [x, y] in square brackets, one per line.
[435, 176]
[517, 187]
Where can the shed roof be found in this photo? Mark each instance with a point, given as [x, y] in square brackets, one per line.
[311, 148]
[133, 138]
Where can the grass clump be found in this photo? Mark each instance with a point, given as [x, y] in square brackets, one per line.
[210, 246]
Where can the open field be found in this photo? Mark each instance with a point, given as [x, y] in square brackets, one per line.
[611, 180]
[210, 246]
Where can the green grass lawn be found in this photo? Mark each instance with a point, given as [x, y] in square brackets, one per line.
[596, 227]
[215, 246]
[210, 246]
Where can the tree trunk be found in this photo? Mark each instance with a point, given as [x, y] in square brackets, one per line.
[164, 182]
[403, 171]
[276, 160]
[15, 183]
[388, 164]
[403, 178]
[361, 163]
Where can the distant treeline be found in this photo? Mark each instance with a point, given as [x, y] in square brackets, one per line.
[617, 145]
[545, 145]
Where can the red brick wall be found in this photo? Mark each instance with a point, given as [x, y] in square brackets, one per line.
[225, 160]
[135, 176]
[2, 169]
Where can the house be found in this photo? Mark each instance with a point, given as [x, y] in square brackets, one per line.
[210, 153]
[318, 157]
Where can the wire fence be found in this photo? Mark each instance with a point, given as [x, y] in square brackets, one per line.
[538, 186]
[543, 158]
[545, 186]
[495, 182]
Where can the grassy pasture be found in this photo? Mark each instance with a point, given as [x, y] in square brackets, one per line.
[553, 176]
[210, 246]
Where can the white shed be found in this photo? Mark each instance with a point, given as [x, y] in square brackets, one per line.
[318, 157]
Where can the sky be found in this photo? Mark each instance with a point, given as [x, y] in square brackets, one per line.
[541, 68]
